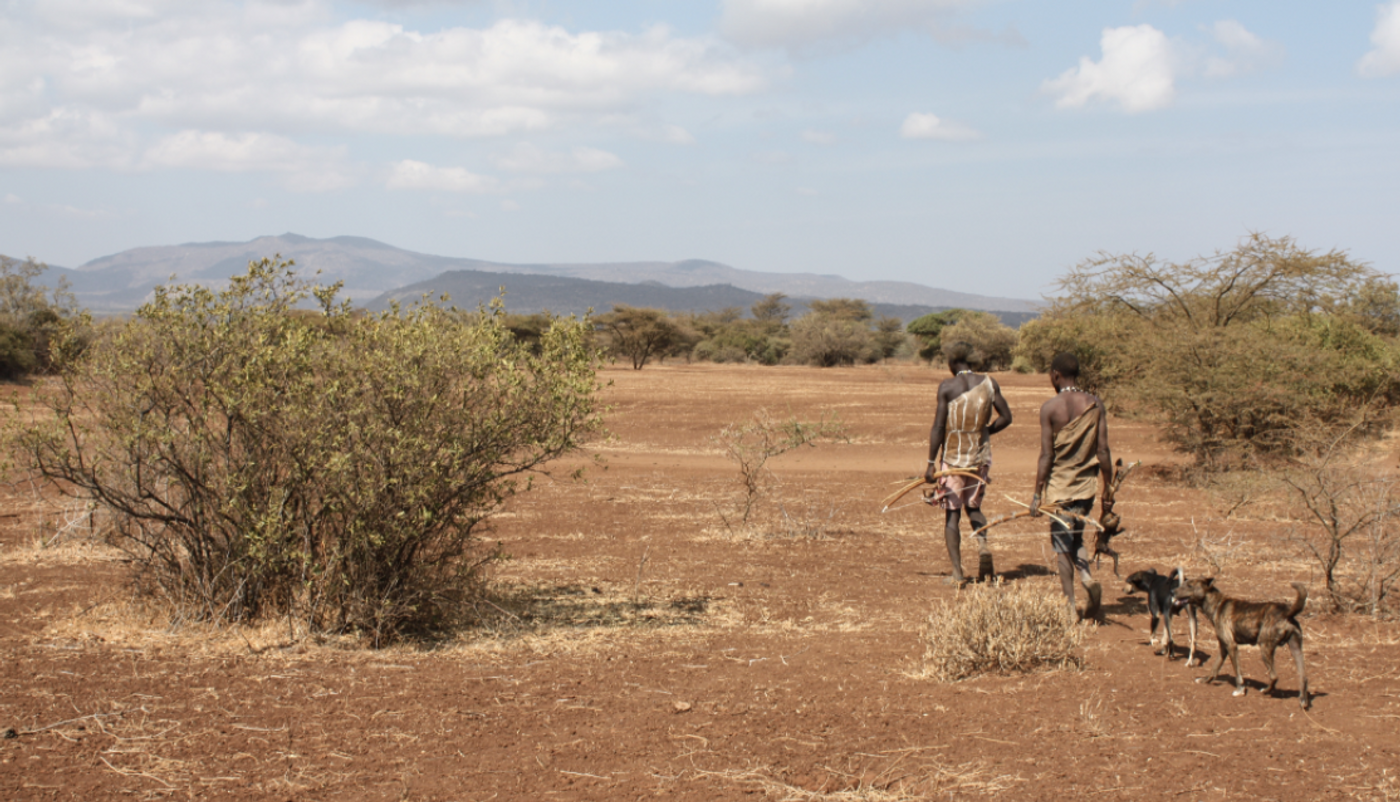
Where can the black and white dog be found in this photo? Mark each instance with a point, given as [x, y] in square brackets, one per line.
[1161, 595]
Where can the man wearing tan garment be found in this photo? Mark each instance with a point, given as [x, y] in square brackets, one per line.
[1074, 458]
[962, 431]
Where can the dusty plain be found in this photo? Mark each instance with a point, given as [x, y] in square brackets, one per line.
[634, 646]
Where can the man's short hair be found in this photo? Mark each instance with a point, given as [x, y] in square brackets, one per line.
[1066, 364]
[959, 352]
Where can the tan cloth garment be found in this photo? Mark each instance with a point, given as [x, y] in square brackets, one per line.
[966, 443]
[1074, 473]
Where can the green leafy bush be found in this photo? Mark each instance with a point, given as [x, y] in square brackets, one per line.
[336, 472]
[31, 317]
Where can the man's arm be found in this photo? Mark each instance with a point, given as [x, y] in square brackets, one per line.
[936, 434]
[1003, 410]
[1047, 451]
[1105, 463]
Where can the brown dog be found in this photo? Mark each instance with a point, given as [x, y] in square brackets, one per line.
[1268, 624]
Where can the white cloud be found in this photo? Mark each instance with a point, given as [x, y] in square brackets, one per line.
[931, 126]
[108, 83]
[1245, 52]
[526, 158]
[1384, 58]
[819, 137]
[1137, 71]
[409, 174]
[802, 23]
[677, 135]
[305, 169]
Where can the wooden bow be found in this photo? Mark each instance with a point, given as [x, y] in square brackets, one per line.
[1051, 511]
[920, 482]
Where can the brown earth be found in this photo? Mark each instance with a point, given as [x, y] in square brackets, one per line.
[635, 646]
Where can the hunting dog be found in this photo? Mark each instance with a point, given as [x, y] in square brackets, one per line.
[1267, 624]
[1161, 597]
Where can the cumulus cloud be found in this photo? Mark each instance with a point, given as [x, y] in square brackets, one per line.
[306, 169]
[1384, 57]
[931, 126]
[526, 158]
[676, 135]
[409, 174]
[803, 23]
[1137, 71]
[1244, 51]
[106, 83]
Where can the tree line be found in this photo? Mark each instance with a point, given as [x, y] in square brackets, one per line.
[833, 333]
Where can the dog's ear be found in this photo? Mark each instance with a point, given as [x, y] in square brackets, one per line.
[1208, 581]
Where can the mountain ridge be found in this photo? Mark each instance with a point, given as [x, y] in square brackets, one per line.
[369, 268]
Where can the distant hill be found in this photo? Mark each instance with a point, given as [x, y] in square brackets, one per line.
[527, 293]
[119, 283]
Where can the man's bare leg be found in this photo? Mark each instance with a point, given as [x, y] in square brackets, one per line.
[1066, 569]
[985, 571]
[952, 535]
[1092, 607]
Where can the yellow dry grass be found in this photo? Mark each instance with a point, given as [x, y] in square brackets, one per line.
[1001, 629]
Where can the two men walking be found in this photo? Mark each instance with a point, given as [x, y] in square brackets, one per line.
[1074, 458]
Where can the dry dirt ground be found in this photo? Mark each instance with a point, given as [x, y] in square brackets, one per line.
[637, 647]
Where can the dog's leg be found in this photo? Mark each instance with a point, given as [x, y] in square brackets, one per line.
[1295, 645]
[1219, 663]
[1151, 623]
[1266, 651]
[1167, 630]
[1191, 653]
[1239, 675]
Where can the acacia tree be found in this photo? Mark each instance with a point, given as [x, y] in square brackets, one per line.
[338, 471]
[637, 333]
[1230, 351]
[929, 328]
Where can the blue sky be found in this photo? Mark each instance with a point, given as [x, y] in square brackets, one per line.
[976, 145]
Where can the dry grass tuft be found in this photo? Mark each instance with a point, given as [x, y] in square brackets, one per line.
[1000, 629]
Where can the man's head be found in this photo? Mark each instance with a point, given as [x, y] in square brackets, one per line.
[959, 356]
[1064, 369]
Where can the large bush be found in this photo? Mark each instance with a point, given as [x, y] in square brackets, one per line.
[30, 317]
[337, 472]
[827, 341]
[1231, 352]
[991, 340]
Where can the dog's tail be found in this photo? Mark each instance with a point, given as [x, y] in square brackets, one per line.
[1300, 601]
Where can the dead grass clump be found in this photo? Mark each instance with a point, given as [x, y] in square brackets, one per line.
[1000, 629]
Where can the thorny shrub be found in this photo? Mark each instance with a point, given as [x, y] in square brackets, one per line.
[750, 444]
[1351, 532]
[338, 473]
[1000, 629]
